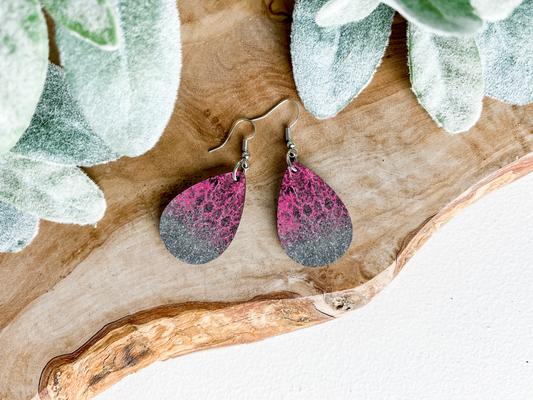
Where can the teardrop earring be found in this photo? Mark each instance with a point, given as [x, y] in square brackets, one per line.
[199, 224]
[314, 226]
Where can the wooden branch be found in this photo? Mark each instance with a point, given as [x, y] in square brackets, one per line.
[400, 176]
[134, 342]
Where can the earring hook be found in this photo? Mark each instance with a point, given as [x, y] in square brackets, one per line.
[245, 141]
[278, 105]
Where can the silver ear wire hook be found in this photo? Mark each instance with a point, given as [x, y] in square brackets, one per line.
[292, 154]
[278, 105]
[259, 118]
[243, 162]
[245, 140]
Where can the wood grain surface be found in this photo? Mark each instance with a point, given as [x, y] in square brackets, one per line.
[82, 307]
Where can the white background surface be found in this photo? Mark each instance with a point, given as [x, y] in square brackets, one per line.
[457, 323]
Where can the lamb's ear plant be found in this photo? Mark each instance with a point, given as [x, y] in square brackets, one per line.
[442, 17]
[17, 228]
[92, 20]
[458, 51]
[334, 64]
[59, 132]
[23, 58]
[340, 12]
[137, 84]
[506, 49]
[494, 10]
[55, 192]
[24, 52]
[122, 64]
[437, 16]
[446, 76]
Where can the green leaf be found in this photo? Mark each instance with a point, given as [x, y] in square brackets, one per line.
[93, 20]
[332, 65]
[445, 17]
[58, 131]
[506, 49]
[340, 12]
[128, 96]
[50, 191]
[17, 229]
[494, 10]
[447, 77]
[23, 58]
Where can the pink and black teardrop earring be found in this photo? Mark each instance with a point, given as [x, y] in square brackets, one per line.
[314, 226]
[199, 224]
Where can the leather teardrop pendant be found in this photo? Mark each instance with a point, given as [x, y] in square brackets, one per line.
[199, 224]
[314, 226]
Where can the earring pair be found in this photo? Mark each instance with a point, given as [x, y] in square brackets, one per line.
[313, 224]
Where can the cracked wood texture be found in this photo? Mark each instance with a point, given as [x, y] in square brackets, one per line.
[82, 307]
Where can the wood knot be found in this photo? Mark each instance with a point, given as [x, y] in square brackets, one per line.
[347, 302]
[341, 303]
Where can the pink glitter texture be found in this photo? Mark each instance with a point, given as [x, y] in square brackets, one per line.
[314, 226]
[199, 224]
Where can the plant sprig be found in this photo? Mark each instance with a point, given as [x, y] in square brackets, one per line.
[459, 50]
[122, 61]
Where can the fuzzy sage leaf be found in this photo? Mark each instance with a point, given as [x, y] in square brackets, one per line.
[58, 131]
[506, 49]
[447, 77]
[50, 191]
[443, 17]
[17, 228]
[340, 12]
[494, 10]
[93, 20]
[23, 59]
[334, 64]
[128, 96]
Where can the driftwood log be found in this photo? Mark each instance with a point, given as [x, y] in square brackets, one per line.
[82, 307]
